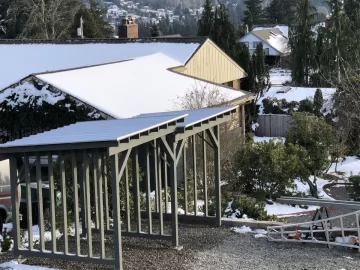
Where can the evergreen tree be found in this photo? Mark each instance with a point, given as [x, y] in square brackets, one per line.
[253, 13]
[352, 9]
[302, 44]
[223, 31]
[206, 22]
[318, 102]
[95, 25]
[281, 12]
[154, 30]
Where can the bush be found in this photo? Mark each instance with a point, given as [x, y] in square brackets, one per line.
[267, 169]
[355, 180]
[245, 205]
[306, 105]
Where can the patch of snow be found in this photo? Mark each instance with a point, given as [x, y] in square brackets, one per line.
[254, 126]
[14, 265]
[26, 92]
[346, 239]
[350, 166]
[279, 42]
[266, 139]
[243, 229]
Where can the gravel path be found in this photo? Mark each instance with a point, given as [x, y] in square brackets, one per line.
[243, 251]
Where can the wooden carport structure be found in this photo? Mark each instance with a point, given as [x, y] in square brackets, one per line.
[83, 152]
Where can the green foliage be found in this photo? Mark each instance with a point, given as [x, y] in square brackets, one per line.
[206, 23]
[318, 102]
[267, 169]
[6, 241]
[355, 181]
[302, 44]
[281, 12]
[95, 25]
[306, 105]
[316, 136]
[276, 106]
[245, 205]
[154, 30]
[254, 13]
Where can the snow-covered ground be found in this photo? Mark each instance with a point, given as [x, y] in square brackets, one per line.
[350, 166]
[258, 233]
[13, 265]
[266, 139]
[279, 76]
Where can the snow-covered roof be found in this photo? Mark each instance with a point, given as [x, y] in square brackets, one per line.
[94, 131]
[295, 93]
[129, 88]
[21, 58]
[283, 28]
[274, 38]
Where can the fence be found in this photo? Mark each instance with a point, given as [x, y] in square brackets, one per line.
[272, 125]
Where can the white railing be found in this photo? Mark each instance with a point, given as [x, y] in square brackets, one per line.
[307, 232]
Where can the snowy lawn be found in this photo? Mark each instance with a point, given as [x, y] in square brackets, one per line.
[350, 166]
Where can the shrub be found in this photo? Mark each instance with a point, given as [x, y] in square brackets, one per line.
[355, 180]
[245, 205]
[266, 169]
[306, 105]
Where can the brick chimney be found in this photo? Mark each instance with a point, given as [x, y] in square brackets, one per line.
[128, 28]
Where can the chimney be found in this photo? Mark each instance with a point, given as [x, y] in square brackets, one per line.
[246, 29]
[128, 28]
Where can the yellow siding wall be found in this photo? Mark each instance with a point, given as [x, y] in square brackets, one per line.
[212, 64]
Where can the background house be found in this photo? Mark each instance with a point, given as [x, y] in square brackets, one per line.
[274, 41]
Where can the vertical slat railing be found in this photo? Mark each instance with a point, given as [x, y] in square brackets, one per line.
[135, 172]
[127, 201]
[161, 218]
[185, 182]
[52, 202]
[15, 200]
[96, 198]
[194, 173]
[76, 200]
[106, 191]
[205, 173]
[40, 202]
[101, 204]
[63, 202]
[166, 183]
[148, 190]
[116, 211]
[86, 181]
[28, 202]
[157, 197]
[217, 176]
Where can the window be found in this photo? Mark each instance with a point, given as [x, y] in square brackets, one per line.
[255, 43]
[246, 44]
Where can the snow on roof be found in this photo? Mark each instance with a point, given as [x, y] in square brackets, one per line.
[283, 28]
[20, 60]
[193, 116]
[126, 89]
[94, 131]
[274, 38]
[296, 93]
